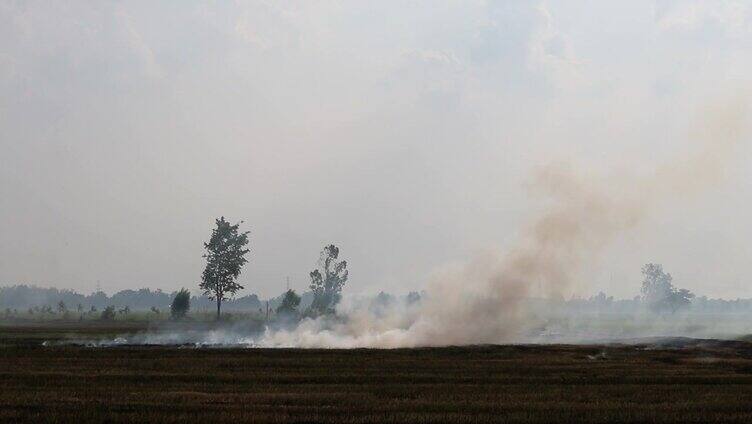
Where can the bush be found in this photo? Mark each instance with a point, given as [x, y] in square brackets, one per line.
[181, 304]
[289, 305]
[108, 314]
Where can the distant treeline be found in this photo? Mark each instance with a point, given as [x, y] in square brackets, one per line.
[603, 303]
[24, 296]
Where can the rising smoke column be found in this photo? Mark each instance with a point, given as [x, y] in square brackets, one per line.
[483, 301]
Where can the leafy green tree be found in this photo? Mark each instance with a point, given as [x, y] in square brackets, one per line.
[181, 304]
[327, 282]
[290, 303]
[225, 257]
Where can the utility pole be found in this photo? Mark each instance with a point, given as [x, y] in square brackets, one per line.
[288, 283]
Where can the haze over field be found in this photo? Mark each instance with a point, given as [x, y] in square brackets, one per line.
[419, 137]
[359, 211]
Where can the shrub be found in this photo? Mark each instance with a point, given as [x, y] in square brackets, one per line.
[181, 304]
[108, 314]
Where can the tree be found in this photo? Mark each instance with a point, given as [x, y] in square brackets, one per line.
[327, 283]
[680, 298]
[658, 291]
[601, 301]
[225, 258]
[108, 313]
[61, 308]
[380, 304]
[290, 303]
[125, 310]
[180, 305]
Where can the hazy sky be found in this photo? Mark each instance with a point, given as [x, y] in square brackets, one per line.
[404, 132]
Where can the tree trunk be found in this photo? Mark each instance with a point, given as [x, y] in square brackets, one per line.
[219, 305]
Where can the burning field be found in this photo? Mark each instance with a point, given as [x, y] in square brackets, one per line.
[367, 212]
[488, 342]
[656, 380]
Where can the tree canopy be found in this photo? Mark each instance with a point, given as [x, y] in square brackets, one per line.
[290, 303]
[658, 291]
[327, 281]
[225, 257]
[181, 304]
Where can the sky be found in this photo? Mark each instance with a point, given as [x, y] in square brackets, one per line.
[404, 132]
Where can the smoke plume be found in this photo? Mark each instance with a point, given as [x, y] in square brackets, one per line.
[490, 298]
[484, 300]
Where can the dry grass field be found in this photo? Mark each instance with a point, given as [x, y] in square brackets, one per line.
[697, 382]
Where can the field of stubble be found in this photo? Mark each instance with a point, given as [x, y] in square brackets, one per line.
[700, 382]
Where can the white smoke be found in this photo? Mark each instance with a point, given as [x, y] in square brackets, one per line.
[490, 298]
[485, 301]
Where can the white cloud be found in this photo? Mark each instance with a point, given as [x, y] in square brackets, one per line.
[551, 50]
[732, 18]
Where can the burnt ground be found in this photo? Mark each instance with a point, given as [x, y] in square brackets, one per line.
[655, 380]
